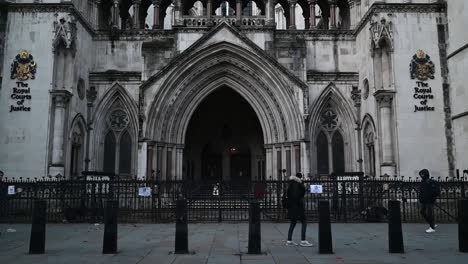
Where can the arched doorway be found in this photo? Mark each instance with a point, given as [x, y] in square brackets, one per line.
[224, 140]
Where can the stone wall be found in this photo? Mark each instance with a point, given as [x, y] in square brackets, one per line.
[458, 63]
[24, 134]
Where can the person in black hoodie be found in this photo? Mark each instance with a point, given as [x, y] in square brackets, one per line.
[295, 204]
[428, 192]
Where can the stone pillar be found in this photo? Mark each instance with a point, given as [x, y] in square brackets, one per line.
[97, 4]
[116, 14]
[305, 158]
[149, 160]
[292, 14]
[136, 13]
[333, 14]
[178, 21]
[356, 97]
[352, 13]
[209, 10]
[238, 12]
[312, 14]
[159, 163]
[179, 162]
[384, 101]
[60, 99]
[330, 157]
[269, 163]
[156, 18]
[270, 13]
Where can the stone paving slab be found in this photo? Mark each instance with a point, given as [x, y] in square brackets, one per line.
[227, 243]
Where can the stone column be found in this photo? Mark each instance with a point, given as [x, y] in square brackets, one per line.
[333, 14]
[305, 158]
[312, 14]
[384, 101]
[136, 13]
[330, 156]
[156, 19]
[238, 12]
[356, 97]
[179, 162]
[209, 10]
[116, 14]
[97, 4]
[292, 14]
[270, 13]
[178, 20]
[352, 13]
[60, 99]
[159, 163]
[149, 160]
[269, 163]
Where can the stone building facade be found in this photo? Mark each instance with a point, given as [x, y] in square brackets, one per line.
[212, 90]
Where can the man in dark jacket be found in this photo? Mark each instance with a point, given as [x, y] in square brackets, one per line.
[295, 194]
[428, 192]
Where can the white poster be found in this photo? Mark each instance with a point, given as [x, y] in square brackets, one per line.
[144, 191]
[11, 190]
[316, 189]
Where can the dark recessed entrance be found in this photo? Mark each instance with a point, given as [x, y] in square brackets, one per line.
[224, 140]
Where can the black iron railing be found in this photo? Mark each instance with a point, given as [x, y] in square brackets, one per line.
[352, 199]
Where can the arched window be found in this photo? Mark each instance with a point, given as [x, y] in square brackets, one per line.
[322, 154]
[369, 150]
[330, 143]
[125, 157]
[109, 152]
[338, 153]
[118, 144]
[76, 151]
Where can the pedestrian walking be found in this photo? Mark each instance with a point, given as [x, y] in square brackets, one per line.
[428, 191]
[295, 205]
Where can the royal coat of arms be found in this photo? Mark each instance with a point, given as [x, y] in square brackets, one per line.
[23, 67]
[421, 66]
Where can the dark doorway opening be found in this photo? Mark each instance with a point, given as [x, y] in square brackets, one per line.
[224, 140]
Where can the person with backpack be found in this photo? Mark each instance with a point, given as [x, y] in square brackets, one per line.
[428, 192]
[295, 204]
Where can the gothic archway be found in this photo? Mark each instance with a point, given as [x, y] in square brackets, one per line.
[76, 148]
[332, 133]
[277, 104]
[115, 133]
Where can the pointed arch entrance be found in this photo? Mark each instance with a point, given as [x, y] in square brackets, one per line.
[274, 98]
[224, 140]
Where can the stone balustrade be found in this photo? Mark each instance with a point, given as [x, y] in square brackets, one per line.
[203, 21]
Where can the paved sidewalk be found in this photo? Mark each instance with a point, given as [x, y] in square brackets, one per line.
[227, 243]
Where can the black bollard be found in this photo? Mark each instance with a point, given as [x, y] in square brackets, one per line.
[395, 233]
[255, 244]
[325, 234]
[181, 236]
[38, 229]
[463, 225]
[110, 228]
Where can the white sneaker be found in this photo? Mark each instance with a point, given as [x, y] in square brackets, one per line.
[430, 230]
[291, 243]
[305, 243]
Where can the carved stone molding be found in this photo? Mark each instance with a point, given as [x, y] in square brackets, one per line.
[91, 94]
[60, 98]
[384, 98]
[64, 32]
[356, 96]
[381, 31]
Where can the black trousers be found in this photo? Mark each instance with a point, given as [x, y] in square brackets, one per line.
[303, 229]
[427, 212]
